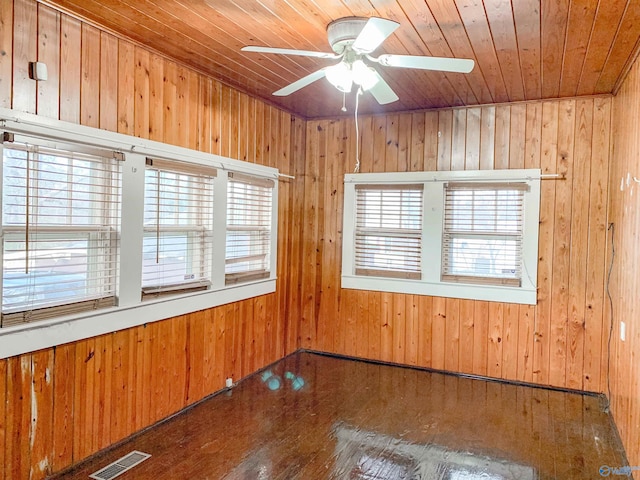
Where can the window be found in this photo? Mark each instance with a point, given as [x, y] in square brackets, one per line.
[388, 230]
[468, 234]
[60, 218]
[103, 231]
[178, 222]
[482, 235]
[249, 213]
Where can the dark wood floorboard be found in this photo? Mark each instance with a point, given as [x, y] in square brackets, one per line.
[361, 421]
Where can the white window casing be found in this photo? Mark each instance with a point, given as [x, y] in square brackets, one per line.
[178, 223]
[479, 237]
[483, 232]
[125, 233]
[60, 220]
[249, 206]
[388, 230]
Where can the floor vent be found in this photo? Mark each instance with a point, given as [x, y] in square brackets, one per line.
[120, 466]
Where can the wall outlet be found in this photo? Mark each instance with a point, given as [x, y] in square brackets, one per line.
[229, 382]
[623, 331]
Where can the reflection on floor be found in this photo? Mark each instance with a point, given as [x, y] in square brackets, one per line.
[317, 417]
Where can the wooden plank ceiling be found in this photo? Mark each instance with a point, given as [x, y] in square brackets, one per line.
[523, 49]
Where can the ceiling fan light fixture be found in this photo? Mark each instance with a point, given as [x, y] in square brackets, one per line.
[340, 76]
[352, 39]
[363, 75]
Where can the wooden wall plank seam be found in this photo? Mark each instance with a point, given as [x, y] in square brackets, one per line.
[6, 54]
[562, 242]
[48, 93]
[25, 29]
[3, 415]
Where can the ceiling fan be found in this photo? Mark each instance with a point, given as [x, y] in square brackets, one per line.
[352, 40]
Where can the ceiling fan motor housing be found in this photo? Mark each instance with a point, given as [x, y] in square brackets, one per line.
[343, 32]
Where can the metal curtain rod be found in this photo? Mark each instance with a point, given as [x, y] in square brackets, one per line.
[544, 176]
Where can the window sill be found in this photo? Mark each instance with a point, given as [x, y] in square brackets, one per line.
[26, 338]
[508, 294]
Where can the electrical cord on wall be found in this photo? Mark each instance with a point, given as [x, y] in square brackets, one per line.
[613, 255]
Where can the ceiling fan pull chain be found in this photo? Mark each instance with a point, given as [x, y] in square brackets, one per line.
[344, 100]
[357, 169]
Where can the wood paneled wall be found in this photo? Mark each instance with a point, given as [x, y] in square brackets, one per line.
[560, 341]
[59, 405]
[625, 275]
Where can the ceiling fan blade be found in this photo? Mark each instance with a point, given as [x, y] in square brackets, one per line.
[289, 51]
[375, 31]
[382, 92]
[298, 84]
[444, 64]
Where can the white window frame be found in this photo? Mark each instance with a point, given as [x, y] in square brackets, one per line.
[430, 282]
[101, 231]
[131, 311]
[264, 228]
[391, 221]
[201, 229]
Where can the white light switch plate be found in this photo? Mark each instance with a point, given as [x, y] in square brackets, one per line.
[623, 331]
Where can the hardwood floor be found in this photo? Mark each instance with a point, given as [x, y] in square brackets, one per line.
[317, 417]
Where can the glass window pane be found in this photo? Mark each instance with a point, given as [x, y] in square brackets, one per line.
[60, 214]
[178, 220]
[482, 234]
[248, 243]
[388, 230]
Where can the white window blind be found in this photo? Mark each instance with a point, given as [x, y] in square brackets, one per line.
[178, 223]
[60, 218]
[483, 232]
[388, 230]
[249, 213]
